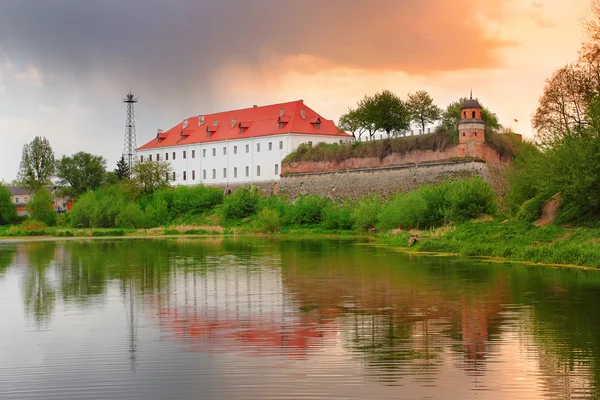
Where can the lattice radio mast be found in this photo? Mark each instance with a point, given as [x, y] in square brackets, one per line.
[130, 139]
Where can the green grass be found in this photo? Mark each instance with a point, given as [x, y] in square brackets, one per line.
[514, 241]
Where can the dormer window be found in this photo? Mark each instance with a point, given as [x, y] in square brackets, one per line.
[282, 121]
[316, 123]
[210, 130]
[243, 125]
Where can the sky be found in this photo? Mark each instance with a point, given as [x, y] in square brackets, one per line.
[65, 65]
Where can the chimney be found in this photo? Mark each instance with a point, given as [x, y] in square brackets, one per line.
[281, 112]
[254, 106]
[216, 122]
[233, 122]
[200, 120]
[159, 131]
[185, 123]
[303, 113]
[301, 101]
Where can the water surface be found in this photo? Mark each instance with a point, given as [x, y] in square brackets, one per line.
[288, 319]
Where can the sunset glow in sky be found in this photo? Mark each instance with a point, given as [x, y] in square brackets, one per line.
[66, 64]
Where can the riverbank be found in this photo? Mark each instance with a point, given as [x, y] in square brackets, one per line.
[507, 240]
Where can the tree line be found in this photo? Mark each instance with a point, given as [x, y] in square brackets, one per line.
[387, 112]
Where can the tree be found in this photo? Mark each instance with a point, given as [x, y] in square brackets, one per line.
[390, 112]
[37, 164]
[562, 107]
[352, 122]
[41, 207]
[421, 109]
[148, 176]
[8, 211]
[82, 172]
[122, 170]
[451, 116]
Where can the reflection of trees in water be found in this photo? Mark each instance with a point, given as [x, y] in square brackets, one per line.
[39, 293]
[398, 313]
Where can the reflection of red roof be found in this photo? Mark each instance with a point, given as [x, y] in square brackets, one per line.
[257, 121]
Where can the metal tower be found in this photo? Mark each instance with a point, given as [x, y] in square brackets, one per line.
[130, 139]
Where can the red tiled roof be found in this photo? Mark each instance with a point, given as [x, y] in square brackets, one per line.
[257, 121]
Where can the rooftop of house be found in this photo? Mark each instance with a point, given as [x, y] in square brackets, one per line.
[275, 119]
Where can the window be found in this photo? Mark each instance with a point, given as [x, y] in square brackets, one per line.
[158, 157]
[167, 176]
[241, 130]
[276, 169]
[224, 172]
[203, 152]
[150, 157]
[473, 114]
[258, 170]
[474, 133]
[281, 145]
[16, 199]
[173, 175]
[270, 146]
[193, 174]
[142, 158]
[247, 170]
[193, 153]
[224, 150]
[214, 174]
[234, 149]
[184, 175]
[214, 151]
[257, 147]
[167, 156]
[247, 148]
[184, 155]
[281, 125]
[235, 172]
[318, 125]
[204, 174]
[309, 144]
[25, 199]
[464, 114]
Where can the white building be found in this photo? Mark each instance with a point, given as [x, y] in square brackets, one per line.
[240, 146]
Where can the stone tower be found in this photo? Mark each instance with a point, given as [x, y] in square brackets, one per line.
[471, 127]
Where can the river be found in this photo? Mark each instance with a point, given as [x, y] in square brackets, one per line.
[260, 318]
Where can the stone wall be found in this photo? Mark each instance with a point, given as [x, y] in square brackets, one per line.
[386, 180]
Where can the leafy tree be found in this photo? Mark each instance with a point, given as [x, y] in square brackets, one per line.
[352, 122]
[8, 211]
[421, 109]
[391, 114]
[41, 207]
[122, 170]
[149, 176]
[451, 116]
[82, 172]
[37, 164]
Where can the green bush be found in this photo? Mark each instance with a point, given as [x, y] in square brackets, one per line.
[470, 199]
[532, 208]
[41, 207]
[405, 210]
[364, 213]
[157, 213]
[307, 209]
[8, 211]
[99, 209]
[267, 220]
[337, 216]
[196, 199]
[130, 217]
[281, 205]
[243, 203]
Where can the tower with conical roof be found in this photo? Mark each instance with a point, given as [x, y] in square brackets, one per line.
[471, 127]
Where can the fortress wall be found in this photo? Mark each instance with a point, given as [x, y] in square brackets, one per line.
[386, 180]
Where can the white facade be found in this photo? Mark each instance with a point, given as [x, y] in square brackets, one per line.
[236, 161]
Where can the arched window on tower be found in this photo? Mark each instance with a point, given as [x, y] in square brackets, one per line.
[464, 114]
[474, 133]
[464, 134]
[473, 114]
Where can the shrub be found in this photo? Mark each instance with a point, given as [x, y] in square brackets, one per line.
[337, 216]
[41, 207]
[307, 210]
[470, 199]
[196, 199]
[242, 203]
[532, 208]
[157, 213]
[267, 220]
[99, 209]
[364, 214]
[8, 211]
[32, 225]
[130, 217]
[281, 205]
[405, 210]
